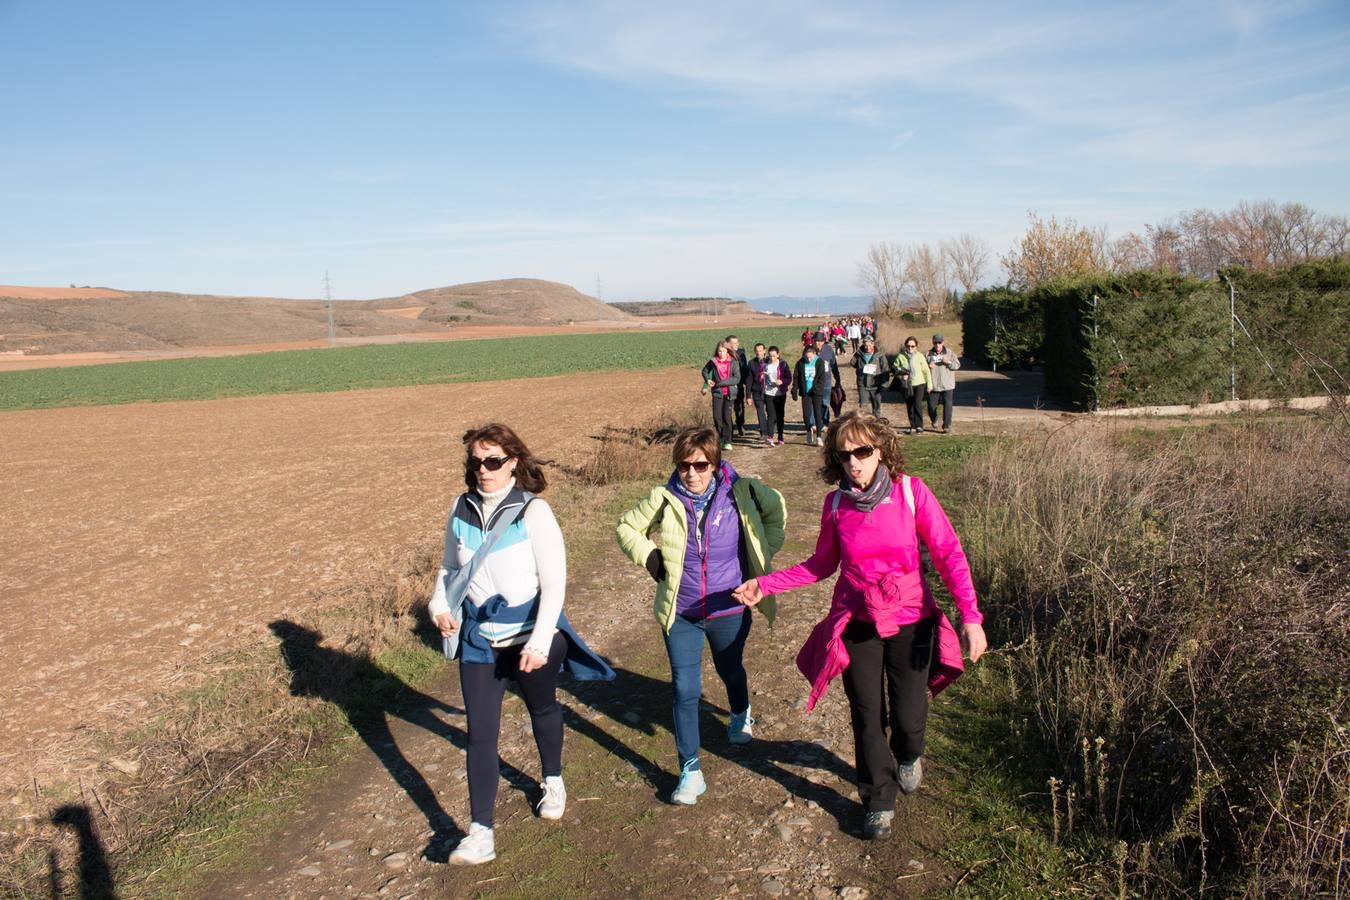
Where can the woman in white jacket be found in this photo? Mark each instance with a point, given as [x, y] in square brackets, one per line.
[507, 621]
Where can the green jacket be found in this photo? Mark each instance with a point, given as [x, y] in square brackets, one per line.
[763, 522]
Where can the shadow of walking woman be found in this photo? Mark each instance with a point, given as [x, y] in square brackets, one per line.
[368, 696]
[96, 878]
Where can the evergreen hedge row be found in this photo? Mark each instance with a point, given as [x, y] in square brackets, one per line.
[1145, 338]
[1001, 327]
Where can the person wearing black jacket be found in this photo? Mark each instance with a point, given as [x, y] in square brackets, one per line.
[739, 352]
[722, 378]
[812, 382]
[826, 354]
[873, 372]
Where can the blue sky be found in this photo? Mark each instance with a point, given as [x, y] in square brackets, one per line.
[669, 149]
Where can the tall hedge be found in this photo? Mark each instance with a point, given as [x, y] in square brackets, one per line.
[1136, 339]
[1299, 319]
[1002, 327]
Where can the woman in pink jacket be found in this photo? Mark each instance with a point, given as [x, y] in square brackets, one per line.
[884, 633]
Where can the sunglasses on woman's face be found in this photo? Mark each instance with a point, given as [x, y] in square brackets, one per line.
[491, 463]
[858, 453]
[700, 467]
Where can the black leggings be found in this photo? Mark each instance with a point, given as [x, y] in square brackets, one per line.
[917, 396]
[722, 414]
[484, 685]
[887, 672]
[775, 406]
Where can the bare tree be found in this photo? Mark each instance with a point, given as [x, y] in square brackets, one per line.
[882, 274]
[1051, 249]
[967, 257]
[927, 271]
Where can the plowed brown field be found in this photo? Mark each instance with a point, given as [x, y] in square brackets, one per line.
[139, 539]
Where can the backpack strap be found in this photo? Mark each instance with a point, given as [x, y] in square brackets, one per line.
[907, 486]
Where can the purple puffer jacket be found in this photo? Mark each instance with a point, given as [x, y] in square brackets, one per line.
[712, 554]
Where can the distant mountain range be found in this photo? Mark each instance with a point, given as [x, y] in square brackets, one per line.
[834, 304]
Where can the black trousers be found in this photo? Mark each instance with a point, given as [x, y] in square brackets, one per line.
[722, 414]
[762, 405]
[739, 396]
[887, 686]
[813, 412]
[774, 407]
[944, 398]
[916, 404]
[484, 686]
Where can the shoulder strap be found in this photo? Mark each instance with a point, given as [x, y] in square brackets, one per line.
[834, 501]
[464, 576]
[908, 487]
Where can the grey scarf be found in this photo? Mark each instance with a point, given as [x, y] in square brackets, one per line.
[867, 500]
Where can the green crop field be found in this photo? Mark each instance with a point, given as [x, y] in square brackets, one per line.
[371, 366]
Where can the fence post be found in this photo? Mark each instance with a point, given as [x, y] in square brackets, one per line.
[1232, 337]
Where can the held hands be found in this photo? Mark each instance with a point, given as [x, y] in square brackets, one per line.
[748, 593]
[445, 624]
[973, 641]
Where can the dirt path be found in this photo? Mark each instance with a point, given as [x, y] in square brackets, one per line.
[780, 818]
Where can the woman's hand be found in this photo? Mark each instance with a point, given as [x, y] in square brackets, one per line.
[973, 640]
[445, 624]
[748, 593]
[531, 660]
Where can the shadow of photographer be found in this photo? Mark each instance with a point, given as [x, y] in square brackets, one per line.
[96, 878]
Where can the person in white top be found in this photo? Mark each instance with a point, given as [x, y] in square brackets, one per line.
[506, 623]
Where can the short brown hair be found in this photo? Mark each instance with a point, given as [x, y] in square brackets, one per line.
[529, 469]
[697, 437]
[863, 428]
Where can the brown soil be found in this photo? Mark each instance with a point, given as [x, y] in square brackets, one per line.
[56, 293]
[141, 538]
[404, 312]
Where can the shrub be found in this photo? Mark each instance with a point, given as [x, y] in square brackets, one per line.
[1180, 604]
[1002, 327]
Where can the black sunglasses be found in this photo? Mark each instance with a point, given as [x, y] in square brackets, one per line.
[700, 467]
[859, 453]
[491, 463]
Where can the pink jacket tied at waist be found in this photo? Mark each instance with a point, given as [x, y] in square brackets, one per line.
[880, 580]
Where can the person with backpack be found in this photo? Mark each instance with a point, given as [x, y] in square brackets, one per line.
[498, 604]
[715, 527]
[884, 632]
[873, 372]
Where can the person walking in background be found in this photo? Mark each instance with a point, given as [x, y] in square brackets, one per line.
[721, 378]
[873, 373]
[831, 360]
[811, 382]
[743, 366]
[498, 603]
[758, 369]
[917, 381]
[777, 383]
[884, 632]
[942, 366]
[854, 330]
[716, 528]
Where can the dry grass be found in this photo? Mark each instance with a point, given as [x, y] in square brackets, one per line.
[1180, 602]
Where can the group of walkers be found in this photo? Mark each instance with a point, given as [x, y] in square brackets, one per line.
[707, 537]
[926, 380]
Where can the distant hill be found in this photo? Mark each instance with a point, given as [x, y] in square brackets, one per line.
[686, 306]
[51, 320]
[517, 301]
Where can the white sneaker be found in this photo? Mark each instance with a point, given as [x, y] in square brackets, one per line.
[476, 848]
[691, 787]
[741, 730]
[554, 801]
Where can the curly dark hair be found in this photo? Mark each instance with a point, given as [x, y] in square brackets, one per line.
[862, 428]
[529, 468]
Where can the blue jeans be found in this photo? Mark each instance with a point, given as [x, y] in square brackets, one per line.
[684, 645]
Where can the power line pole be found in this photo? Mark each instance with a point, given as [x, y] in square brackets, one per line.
[328, 295]
[598, 294]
